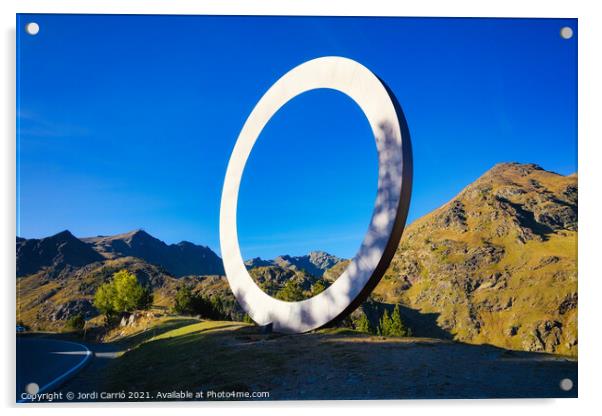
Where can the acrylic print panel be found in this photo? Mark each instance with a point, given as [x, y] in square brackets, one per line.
[149, 148]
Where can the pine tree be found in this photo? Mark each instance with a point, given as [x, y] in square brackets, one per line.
[362, 324]
[385, 324]
[397, 328]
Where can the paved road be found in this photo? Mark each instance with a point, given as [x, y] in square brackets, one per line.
[47, 362]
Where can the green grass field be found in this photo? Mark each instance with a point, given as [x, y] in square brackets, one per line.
[208, 353]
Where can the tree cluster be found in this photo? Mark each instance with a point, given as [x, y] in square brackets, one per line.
[389, 325]
[188, 302]
[292, 291]
[393, 326]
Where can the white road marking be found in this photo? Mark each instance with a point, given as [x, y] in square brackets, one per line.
[54, 383]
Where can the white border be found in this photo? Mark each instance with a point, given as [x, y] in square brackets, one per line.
[511, 8]
[590, 147]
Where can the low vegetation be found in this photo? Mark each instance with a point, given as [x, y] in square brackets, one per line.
[291, 292]
[75, 323]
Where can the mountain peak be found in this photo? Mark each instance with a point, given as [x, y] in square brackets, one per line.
[315, 263]
[185, 243]
[517, 199]
[258, 262]
[184, 258]
[57, 251]
[320, 253]
[63, 235]
[517, 166]
[138, 234]
[509, 170]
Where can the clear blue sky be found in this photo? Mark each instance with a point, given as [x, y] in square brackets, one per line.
[128, 122]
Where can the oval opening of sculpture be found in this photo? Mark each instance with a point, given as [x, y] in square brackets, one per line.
[307, 194]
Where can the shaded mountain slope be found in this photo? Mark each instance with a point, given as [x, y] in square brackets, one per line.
[180, 259]
[56, 252]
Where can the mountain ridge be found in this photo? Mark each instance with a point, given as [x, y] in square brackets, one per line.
[180, 259]
[315, 262]
[60, 250]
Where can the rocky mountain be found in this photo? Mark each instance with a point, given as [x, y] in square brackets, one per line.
[180, 259]
[498, 263]
[315, 263]
[258, 262]
[56, 252]
[272, 279]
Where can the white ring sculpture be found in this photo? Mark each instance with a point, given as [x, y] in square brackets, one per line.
[388, 219]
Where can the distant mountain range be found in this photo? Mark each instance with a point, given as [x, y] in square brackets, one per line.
[64, 249]
[182, 259]
[315, 263]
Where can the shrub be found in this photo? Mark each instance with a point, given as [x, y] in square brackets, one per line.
[75, 323]
[217, 308]
[184, 301]
[318, 287]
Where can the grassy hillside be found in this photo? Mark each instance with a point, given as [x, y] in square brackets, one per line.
[45, 300]
[498, 263]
